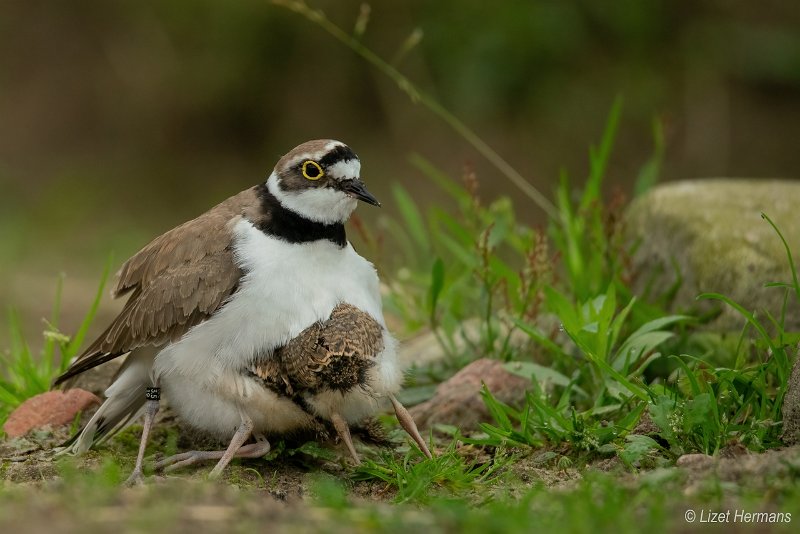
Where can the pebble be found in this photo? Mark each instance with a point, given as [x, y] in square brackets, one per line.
[458, 401]
[53, 408]
[695, 461]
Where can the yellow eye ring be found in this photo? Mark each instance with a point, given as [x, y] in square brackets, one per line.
[312, 170]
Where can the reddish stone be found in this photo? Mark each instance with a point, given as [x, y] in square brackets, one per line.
[458, 401]
[54, 408]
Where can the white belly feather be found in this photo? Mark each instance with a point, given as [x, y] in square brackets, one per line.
[286, 288]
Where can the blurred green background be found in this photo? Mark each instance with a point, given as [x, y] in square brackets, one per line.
[119, 120]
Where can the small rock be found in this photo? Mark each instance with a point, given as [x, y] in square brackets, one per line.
[733, 449]
[458, 400]
[54, 408]
[695, 461]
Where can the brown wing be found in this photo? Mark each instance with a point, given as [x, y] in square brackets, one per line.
[174, 283]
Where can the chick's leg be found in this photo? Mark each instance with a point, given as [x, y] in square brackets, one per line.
[408, 424]
[343, 430]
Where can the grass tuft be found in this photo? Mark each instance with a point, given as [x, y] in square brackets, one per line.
[23, 374]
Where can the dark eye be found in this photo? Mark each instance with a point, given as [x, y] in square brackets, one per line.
[312, 170]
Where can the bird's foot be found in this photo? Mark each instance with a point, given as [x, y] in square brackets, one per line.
[253, 450]
[184, 459]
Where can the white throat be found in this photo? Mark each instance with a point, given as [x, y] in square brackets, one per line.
[323, 205]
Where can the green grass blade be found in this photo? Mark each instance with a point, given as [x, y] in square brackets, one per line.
[414, 222]
[437, 283]
[598, 158]
[649, 174]
[439, 178]
[318, 17]
[77, 340]
[627, 384]
[788, 253]
[48, 351]
[696, 389]
[749, 317]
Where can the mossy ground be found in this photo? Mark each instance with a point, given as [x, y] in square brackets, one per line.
[318, 490]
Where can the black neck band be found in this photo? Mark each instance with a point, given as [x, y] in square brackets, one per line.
[285, 224]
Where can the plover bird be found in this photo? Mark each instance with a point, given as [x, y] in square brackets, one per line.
[219, 294]
[328, 372]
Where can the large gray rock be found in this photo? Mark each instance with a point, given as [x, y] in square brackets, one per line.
[791, 408]
[713, 232]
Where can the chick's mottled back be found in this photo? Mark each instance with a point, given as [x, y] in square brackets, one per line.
[330, 359]
[335, 355]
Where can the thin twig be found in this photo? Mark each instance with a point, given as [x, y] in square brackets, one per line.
[319, 18]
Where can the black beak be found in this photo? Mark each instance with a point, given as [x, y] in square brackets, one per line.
[356, 189]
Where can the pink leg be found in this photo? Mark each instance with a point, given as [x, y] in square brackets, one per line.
[137, 477]
[344, 433]
[236, 449]
[253, 450]
[408, 424]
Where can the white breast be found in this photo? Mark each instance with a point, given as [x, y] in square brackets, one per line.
[286, 288]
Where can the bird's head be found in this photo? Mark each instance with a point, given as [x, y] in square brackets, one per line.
[321, 181]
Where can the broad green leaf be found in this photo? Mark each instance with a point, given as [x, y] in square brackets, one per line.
[636, 448]
[638, 345]
[661, 412]
[698, 411]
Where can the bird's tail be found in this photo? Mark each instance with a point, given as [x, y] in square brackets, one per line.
[125, 398]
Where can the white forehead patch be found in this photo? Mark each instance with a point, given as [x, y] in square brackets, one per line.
[304, 157]
[350, 168]
[333, 144]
